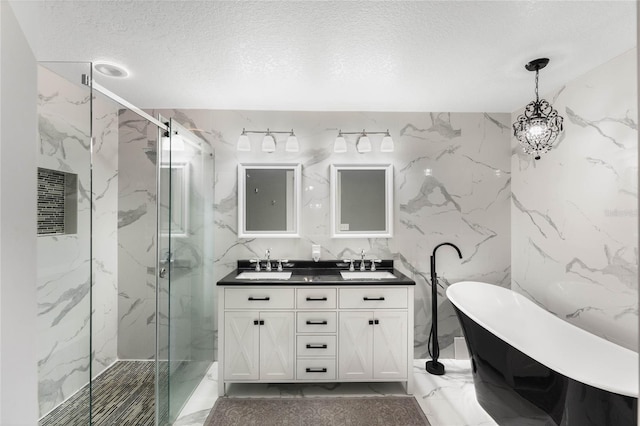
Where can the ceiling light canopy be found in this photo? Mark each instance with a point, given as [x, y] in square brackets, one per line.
[539, 126]
[110, 69]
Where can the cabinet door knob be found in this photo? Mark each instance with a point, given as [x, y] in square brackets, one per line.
[370, 322]
[316, 299]
[316, 370]
[312, 322]
[261, 322]
[376, 322]
[372, 298]
[252, 299]
[256, 322]
[312, 346]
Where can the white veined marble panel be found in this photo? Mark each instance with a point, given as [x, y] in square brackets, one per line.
[575, 211]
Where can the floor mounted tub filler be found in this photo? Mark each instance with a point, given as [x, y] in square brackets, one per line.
[533, 368]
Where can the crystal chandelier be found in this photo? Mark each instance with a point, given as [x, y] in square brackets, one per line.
[539, 126]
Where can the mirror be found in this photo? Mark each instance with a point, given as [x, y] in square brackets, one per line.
[269, 200]
[179, 178]
[362, 201]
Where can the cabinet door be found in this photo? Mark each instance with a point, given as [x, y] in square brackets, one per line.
[277, 342]
[241, 345]
[355, 346]
[390, 345]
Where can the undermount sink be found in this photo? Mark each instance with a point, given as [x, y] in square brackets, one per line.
[266, 275]
[367, 275]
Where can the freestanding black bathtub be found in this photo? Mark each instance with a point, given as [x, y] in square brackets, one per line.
[533, 368]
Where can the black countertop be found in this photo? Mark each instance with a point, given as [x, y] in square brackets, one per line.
[324, 272]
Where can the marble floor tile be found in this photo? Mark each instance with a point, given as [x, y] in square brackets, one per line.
[447, 400]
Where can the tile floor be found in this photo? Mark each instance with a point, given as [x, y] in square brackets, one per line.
[447, 400]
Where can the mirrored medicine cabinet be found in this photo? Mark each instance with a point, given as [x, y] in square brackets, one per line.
[362, 201]
[269, 200]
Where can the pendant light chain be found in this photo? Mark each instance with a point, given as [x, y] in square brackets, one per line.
[537, 97]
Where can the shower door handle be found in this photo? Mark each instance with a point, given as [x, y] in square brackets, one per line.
[163, 272]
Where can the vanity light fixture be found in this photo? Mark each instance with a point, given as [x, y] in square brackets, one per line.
[268, 141]
[387, 143]
[244, 144]
[340, 144]
[292, 144]
[539, 126]
[363, 143]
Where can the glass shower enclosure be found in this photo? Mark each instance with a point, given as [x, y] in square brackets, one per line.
[185, 332]
[126, 316]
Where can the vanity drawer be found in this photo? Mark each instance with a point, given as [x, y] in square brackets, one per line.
[373, 298]
[316, 322]
[258, 298]
[316, 298]
[316, 346]
[316, 369]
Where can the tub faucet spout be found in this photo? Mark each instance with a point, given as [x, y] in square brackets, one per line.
[433, 366]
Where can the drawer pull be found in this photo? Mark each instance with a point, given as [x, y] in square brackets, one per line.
[373, 298]
[312, 346]
[312, 322]
[316, 370]
[316, 299]
[252, 299]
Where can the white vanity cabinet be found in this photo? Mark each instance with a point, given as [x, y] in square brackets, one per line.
[373, 333]
[373, 345]
[312, 333]
[259, 343]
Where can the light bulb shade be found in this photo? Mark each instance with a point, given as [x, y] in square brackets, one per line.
[244, 144]
[268, 143]
[537, 128]
[387, 144]
[340, 144]
[292, 144]
[363, 144]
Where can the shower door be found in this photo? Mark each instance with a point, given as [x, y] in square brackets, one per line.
[184, 292]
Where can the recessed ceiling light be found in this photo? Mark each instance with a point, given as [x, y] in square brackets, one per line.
[110, 70]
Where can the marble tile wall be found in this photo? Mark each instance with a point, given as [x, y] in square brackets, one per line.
[574, 213]
[137, 243]
[452, 183]
[64, 265]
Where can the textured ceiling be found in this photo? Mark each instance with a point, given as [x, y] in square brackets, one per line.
[332, 55]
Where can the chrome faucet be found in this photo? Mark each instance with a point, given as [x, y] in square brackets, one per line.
[373, 264]
[280, 262]
[257, 262]
[363, 267]
[350, 261]
[267, 255]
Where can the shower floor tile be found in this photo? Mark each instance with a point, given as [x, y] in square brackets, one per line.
[122, 395]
